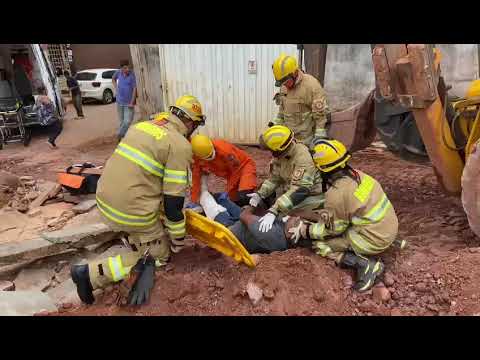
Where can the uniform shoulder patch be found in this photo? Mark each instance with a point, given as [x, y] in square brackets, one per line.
[298, 174]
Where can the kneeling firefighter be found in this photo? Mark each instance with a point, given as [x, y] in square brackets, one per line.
[141, 192]
[293, 169]
[358, 220]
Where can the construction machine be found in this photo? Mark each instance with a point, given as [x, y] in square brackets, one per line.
[413, 115]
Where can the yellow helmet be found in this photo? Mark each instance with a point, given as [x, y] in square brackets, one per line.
[283, 67]
[277, 138]
[330, 154]
[190, 105]
[202, 146]
[474, 89]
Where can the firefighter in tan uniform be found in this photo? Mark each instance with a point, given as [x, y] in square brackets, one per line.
[141, 192]
[292, 168]
[358, 220]
[302, 101]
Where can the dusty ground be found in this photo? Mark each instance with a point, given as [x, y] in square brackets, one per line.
[437, 274]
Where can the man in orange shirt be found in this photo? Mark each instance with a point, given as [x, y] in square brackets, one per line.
[224, 160]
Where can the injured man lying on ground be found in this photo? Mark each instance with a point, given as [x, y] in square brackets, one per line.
[244, 224]
[287, 232]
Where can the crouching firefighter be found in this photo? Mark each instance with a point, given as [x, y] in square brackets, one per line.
[358, 221]
[141, 192]
[293, 170]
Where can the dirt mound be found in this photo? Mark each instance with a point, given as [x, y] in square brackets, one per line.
[202, 282]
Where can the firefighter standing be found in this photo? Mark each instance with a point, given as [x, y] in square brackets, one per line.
[292, 168]
[224, 160]
[302, 101]
[358, 220]
[141, 192]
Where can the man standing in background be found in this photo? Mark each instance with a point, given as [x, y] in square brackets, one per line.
[125, 85]
[74, 88]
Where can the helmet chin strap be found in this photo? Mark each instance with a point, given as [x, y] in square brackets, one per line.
[211, 157]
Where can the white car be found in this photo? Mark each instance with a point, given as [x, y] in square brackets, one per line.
[97, 84]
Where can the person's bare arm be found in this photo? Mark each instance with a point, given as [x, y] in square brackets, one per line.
[114, 81]
[134, 97]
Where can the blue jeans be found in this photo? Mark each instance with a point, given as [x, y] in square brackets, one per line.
[232, 215]
[125, 116]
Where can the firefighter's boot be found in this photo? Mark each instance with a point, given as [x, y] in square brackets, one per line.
[81, 278]
[367, 270]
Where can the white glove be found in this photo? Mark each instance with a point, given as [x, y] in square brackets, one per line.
[298, 231]
[254, 199]
[266, 222]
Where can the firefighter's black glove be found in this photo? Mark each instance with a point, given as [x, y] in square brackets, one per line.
[141, 289]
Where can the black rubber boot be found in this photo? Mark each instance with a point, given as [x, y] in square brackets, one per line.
[81, 278]
[367, 270]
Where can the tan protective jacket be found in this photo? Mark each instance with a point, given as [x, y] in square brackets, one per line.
[152, 160]
[293, 170]
[362, 212]
[303, 109]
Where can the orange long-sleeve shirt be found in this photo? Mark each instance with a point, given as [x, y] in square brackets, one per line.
[230, 163]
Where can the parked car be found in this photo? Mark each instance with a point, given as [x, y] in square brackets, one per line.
[97, 84]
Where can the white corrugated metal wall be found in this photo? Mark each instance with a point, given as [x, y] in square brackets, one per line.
[238, 104]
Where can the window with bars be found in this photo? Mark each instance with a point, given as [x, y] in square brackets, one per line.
[58, 55]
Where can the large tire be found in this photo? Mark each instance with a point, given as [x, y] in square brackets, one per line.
[28, 137]
[107, 97]
[471, 190]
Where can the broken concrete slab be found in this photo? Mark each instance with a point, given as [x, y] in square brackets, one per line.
[84, 206]
[8, 179]
[6, 285]
[55, 242]
[82, 235]
[34, 279]
[24, 303]
[77, 199]
[50, 190]
[66, 292]
[33, 249]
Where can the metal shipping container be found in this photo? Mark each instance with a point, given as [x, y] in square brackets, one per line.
[234, 82]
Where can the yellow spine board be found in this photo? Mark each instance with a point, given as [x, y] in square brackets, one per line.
[217, 236]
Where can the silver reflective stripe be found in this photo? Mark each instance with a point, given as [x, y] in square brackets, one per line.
[361, 245]
[375, 215]
[142, 161]
[125, 220]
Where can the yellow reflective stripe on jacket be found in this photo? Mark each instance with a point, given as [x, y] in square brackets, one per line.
[139, 158]
[175, 176]
[340, 226]
[376, 214]
[151, 129]
[267, 188]
[317, 231]
[125, 219]
[116, 268]
[364, 189]
[285, 203]
[361, 245]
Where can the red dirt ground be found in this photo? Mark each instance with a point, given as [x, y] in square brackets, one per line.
[437, 274]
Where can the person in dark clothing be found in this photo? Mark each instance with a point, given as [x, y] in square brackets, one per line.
[46, 113]
[23, 84]
[74, 88]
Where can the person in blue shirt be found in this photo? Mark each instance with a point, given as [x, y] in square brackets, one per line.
[125, 85]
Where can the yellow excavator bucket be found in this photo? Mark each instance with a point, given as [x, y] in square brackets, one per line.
[217, 236]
